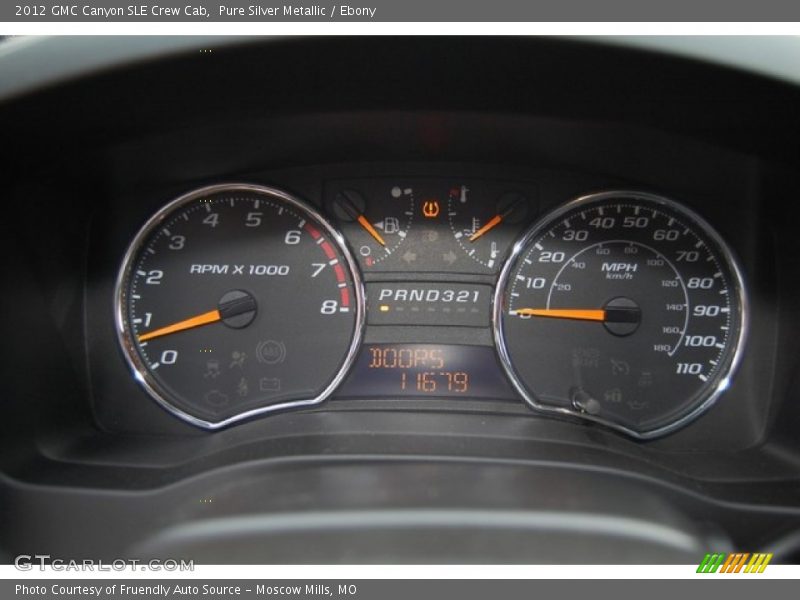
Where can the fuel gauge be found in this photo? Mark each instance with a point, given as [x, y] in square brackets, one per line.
[375, 219]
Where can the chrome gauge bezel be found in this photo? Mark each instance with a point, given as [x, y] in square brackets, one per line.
[140, 371]
[715, 388]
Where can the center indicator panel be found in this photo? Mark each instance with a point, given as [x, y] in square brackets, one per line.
[424, 225]
[429, 249]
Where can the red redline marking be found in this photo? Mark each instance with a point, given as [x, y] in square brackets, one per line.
[314, 232]
[328, 249]
[337, 268]
[339, 272]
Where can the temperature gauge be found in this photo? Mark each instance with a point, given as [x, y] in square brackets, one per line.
[484, 230]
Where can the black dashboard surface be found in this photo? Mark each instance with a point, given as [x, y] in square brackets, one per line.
[90, 465]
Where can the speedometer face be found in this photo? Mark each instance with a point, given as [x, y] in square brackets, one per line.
[623, 308]
[236, 300]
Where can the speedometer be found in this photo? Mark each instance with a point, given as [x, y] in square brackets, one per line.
[235, 300]
[623, 308]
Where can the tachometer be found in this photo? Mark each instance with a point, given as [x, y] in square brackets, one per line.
[235, 300]
[624, 308]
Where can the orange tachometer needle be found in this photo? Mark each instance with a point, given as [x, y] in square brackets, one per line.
[490, 224]
[370, 229]
[564, 313]
[211, 316]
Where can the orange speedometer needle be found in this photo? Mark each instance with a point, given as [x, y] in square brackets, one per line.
[564, 313]
[612, 313]
[211, 316]
[362, 220]
[490, 224]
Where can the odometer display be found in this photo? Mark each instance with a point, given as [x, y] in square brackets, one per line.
[624, 308]
[236, 300]
[426, 371]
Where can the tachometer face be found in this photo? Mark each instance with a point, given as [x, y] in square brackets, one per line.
[236, 300]
[624, 308]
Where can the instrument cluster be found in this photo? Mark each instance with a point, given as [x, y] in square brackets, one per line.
[620, 307]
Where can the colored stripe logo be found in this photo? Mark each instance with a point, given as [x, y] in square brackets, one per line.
[737, 562]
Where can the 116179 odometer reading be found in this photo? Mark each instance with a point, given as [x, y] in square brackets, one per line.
[236, 300]
[624, 308]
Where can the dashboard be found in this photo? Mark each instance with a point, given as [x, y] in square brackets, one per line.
[474, 300]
